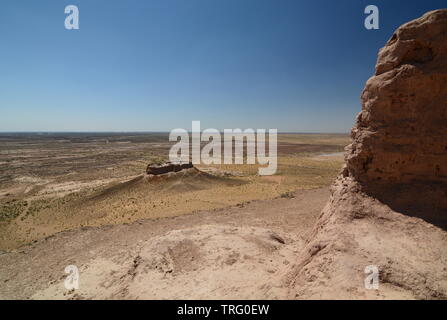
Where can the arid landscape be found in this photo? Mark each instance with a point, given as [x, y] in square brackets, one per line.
[56, 182]
[87, 188]
[359, 216]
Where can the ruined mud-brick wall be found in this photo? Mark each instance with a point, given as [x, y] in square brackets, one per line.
[157, 169]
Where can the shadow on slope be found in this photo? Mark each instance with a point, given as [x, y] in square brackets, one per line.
[174, 182]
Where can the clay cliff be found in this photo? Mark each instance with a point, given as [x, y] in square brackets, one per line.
[389, 205]
[399, 152]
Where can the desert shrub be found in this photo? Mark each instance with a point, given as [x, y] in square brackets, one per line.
[11, 209]
[288, 195]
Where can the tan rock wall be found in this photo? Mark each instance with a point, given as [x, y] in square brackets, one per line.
[399, 149]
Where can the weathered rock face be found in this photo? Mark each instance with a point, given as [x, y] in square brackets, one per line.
[395, 174]
[399, 152]
[157, 169]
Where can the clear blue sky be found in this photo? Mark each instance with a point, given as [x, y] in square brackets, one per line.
[155, 65]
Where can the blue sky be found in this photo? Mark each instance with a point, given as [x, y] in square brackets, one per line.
[156, 65]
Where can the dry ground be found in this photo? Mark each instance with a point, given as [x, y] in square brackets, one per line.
[219, 232]
[55, 182]
[240, 252]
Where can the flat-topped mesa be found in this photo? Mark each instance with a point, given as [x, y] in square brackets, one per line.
[157, 169]
[399, 149]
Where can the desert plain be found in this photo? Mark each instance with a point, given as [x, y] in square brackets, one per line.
[51, 182]
[65, 199]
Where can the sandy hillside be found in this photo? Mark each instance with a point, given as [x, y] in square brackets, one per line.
[242, 252]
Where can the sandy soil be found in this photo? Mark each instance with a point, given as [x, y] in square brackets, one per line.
[241, 252]
[218, 232]
[55, 182]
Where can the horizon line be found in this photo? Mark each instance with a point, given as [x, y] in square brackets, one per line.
[143, 132]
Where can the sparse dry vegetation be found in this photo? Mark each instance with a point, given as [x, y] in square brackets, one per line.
[55, 182]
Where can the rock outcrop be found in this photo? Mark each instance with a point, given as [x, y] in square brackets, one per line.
[389, 205]
[399, 152]
[157, 169]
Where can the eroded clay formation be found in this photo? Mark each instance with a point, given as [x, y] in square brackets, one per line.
[388, 207]
[399, 149]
